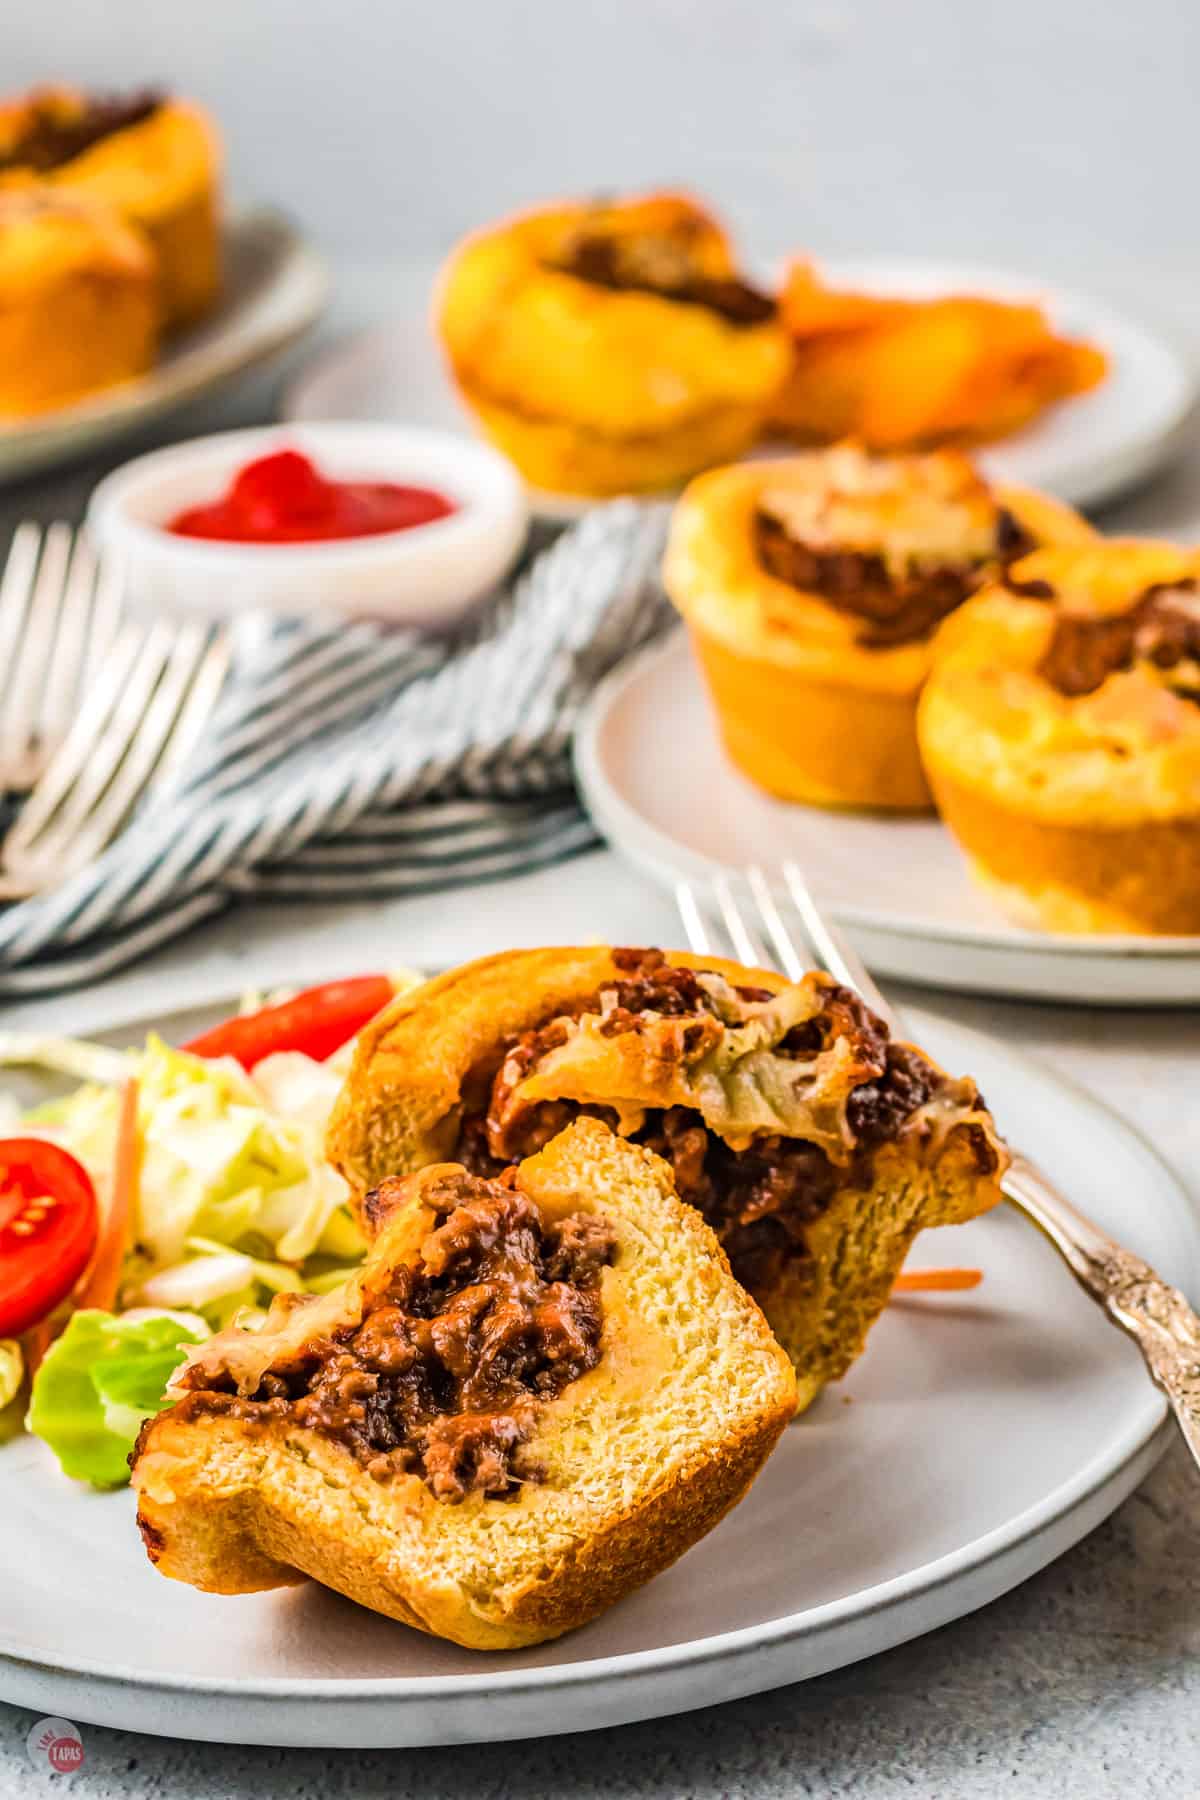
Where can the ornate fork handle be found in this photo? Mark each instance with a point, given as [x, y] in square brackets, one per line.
[1154, 1314]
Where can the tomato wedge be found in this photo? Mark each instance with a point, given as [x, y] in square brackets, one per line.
[316, 1022]
[48, 1225]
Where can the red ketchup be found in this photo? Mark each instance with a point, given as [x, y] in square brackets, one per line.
[284, 499]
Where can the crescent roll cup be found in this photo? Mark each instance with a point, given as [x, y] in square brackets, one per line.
[1061, 733]
[154, 160]
[79, 301]
[814, 1146]
[813, 588]
[610, 347]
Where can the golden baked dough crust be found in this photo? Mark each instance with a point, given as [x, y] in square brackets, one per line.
[79, 302]
[430, 1059]
[807, 708]
[1081, 811]
[587, 340]
[161, 173]
[637, 1459]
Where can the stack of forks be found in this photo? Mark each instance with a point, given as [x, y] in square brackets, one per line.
[98, 711]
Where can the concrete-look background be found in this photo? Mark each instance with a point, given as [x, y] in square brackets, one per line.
[1049, 134]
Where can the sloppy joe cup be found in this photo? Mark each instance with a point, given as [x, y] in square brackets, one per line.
[1061, 735]
[610, 348]
[425, 574]
[814, 649]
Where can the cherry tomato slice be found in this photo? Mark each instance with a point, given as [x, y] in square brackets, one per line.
[317, 1022]
[48, 1225]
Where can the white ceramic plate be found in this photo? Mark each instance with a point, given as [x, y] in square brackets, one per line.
[978, 1438]
[659, 786]
[1085, 451]
[276, 285]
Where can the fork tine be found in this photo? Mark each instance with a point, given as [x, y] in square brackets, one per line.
[793, 963]
[128, 696]
[695, 929]
[16, 586]
[747, 945]
[20, 752]
[35, 654]
[835, 951]
[64, 666]
[121, 747]
[146, 748]
[106, 615]
[822, 945]
[71, 759]
[193, 714]
[744, 946]
[707, 936]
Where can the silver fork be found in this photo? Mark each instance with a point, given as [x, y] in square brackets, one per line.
[98, 728]
[1138, 1301]
[58, 616]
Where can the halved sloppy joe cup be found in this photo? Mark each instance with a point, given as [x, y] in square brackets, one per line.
[812, 1144]
[537, 1393]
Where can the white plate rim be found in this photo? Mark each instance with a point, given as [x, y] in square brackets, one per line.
[656, 850]
[1103, 1477]
[1088, 481]
[928, 1579]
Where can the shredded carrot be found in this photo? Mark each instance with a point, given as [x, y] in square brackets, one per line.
[99, 1285]
[936, 1281]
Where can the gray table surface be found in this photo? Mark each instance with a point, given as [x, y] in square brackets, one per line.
[1083, 1682]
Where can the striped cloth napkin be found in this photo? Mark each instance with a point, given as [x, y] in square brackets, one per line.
[345, 759]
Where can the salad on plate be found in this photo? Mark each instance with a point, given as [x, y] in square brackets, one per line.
[171, 1194]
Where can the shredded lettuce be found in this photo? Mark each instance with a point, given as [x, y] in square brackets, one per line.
[235, 1199]
[235, 1204]
[67, 1056]
[98, 1382]
[12, 1371]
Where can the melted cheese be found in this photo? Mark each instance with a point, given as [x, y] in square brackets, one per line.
[914, 511]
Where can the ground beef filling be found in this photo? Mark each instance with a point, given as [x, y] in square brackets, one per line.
[445, 1371]
[1162, 628]
[663, 268]
[53, 136]
[860, 582]
[759, 1201]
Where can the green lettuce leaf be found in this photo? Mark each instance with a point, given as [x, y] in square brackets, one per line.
[96, 1385]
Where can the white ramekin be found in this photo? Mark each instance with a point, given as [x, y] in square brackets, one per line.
[425, 576]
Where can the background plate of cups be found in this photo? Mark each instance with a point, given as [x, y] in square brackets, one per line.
[1085, 451]
[659, 786]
